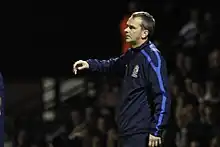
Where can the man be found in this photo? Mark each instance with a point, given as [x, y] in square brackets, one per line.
[144, 109]
[1, 111]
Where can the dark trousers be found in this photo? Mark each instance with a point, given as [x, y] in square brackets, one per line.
[136, 140]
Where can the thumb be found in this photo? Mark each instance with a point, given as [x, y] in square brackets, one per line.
[81, 67]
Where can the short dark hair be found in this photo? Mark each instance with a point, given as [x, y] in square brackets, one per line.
[148, 21]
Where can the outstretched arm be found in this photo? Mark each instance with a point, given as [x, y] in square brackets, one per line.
[110, 65]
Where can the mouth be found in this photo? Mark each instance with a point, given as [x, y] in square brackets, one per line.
[127, 36]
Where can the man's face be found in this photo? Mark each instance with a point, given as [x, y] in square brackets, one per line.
[134, 32]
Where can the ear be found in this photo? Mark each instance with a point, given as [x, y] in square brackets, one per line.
[145, 34]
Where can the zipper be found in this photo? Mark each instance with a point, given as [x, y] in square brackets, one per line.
[127, 69]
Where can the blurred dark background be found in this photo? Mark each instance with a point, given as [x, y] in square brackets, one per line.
[46, 105]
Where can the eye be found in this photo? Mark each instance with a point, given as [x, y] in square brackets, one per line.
[131, 27]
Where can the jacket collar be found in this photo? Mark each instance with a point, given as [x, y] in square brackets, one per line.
[142, 46]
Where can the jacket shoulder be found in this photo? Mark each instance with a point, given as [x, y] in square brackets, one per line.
[152, 54]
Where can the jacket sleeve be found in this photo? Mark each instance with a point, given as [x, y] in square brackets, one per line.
[110, 65]
[1, 111]
[161, 99]
[2, 95]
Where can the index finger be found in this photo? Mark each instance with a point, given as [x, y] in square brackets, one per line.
[75, 64]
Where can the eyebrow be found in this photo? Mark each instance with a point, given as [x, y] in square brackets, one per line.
[129, 25]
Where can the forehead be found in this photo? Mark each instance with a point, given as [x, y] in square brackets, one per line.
[134, 21]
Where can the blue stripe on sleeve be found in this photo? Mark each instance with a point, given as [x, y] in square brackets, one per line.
[158, 73]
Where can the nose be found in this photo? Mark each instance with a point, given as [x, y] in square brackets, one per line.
[126, 30]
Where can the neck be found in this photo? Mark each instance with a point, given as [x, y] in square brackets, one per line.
[138, 43]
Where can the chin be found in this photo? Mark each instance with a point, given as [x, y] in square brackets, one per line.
[128, 40]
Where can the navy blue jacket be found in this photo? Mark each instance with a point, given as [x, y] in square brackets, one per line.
[145, 103]
[1, 111]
